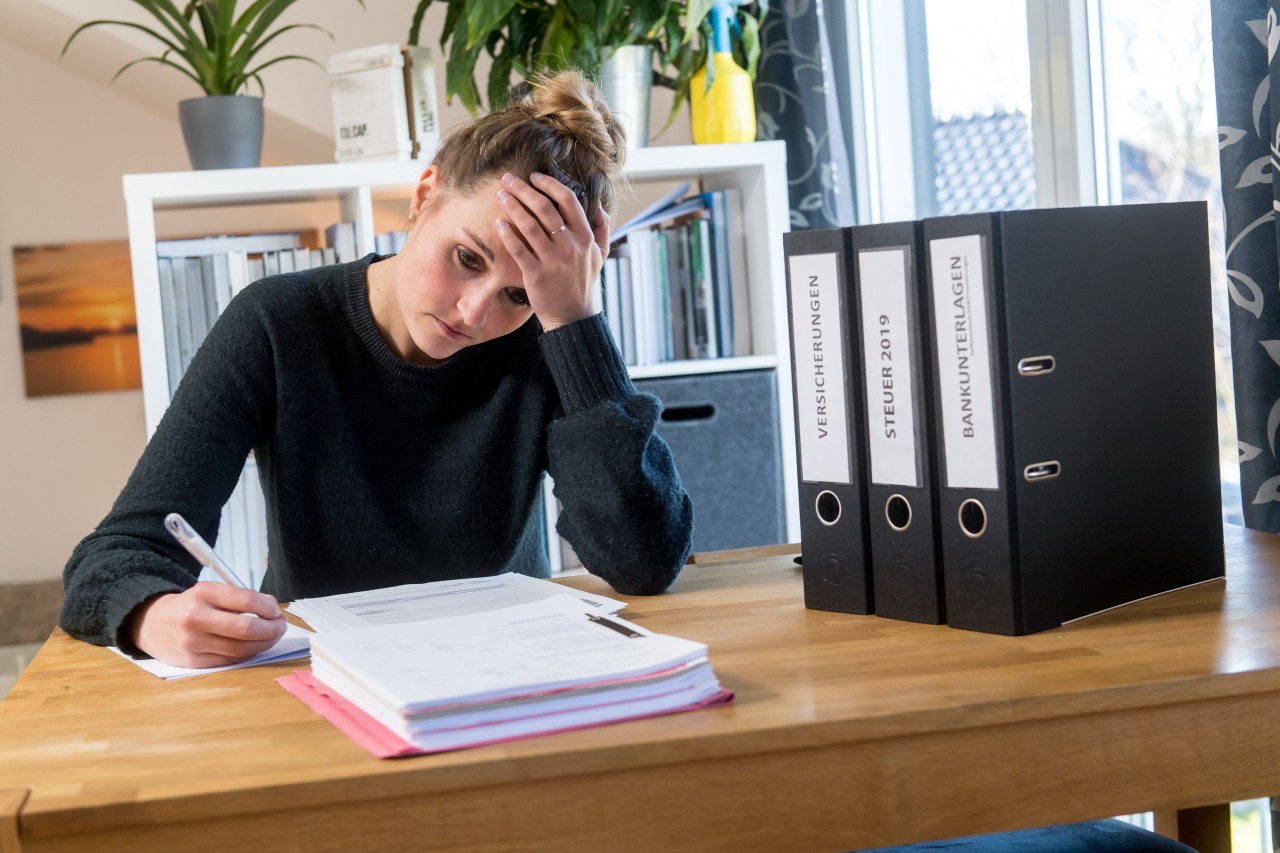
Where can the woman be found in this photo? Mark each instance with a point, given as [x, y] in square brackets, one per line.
[403, 410]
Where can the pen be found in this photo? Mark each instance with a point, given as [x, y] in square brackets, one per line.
[198, 548]
[609, 623]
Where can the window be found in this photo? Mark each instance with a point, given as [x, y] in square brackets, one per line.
[980, 93]
[1007, 104]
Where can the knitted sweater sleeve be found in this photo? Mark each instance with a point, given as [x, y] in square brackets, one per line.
[190, 466]
[625, 512]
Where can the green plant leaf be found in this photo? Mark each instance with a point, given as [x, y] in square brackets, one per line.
[608, 18]
[695, 15]
[451, 15]
[582, 13]
[215, 71]
[258, 70]
[673, 34]
[129, 24]
[526, 29]
[552, 54]
[651, 17]
[459, 70]
[173, 20]
[254, 23]
[206, 35]
[485, 16]
[160, 60]
[500, 76]
[415, 26]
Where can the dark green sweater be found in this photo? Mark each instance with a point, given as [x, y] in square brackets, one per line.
[379, 472]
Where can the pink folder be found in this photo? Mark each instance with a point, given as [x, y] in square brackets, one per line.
[383, 743]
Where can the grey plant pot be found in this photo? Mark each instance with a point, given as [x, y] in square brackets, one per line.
[222, 131]
[625, 80]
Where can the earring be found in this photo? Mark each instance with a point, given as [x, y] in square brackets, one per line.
[411, 217]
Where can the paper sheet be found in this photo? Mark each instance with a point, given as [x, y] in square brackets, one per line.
[296, 643]
[413, 602]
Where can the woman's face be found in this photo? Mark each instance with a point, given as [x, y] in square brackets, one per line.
[455, 283]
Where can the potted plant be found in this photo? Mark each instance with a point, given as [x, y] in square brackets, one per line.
[527, 36]
[217, 48]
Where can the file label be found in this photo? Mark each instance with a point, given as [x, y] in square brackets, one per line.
[821, 414]
[886, 363]
[963, 346]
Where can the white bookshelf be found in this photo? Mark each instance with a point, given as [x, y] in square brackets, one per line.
[757, 169]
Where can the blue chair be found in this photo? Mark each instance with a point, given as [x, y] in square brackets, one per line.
[1098, 836]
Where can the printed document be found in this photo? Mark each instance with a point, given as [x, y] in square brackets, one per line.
[413, 602]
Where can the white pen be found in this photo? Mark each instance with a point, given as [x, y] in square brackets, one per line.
[198, 548]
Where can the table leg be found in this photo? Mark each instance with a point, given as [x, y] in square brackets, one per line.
[1207, 829]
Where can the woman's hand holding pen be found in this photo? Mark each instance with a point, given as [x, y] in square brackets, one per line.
[558, 252]
[210, 624]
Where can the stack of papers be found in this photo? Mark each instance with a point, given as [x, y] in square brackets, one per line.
[544, 666]
[434, 600]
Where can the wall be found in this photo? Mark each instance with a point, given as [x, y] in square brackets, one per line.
[70, 138]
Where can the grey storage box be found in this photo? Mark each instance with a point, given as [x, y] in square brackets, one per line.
[723, 433]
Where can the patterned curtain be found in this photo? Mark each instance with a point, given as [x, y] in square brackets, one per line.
[795, 92]
[1245, 37]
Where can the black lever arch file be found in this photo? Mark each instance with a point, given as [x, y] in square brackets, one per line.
[1077, 436]
[828, 409]
[894, 339]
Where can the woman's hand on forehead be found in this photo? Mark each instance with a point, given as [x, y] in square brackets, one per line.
[559, 254]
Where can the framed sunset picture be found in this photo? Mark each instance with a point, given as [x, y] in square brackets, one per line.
[75, 309]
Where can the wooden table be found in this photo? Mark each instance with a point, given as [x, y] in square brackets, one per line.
[848, 732]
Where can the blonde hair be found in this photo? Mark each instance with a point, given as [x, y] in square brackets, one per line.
[561, 124]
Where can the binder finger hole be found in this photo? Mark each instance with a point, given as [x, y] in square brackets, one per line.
[973, 518]
[1041, 471]
[1037, 365]
[828, 508]
[897, 511]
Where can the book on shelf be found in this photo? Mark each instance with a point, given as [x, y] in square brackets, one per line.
[197, 303]
[341, 237]
[654, 213]
[682, 260]
[218, 244]
[530, 669]
[209, 287]
[384, 103]
[169, 320]
[729, 263]
[389, 242]
[702, 285]
[199, 277]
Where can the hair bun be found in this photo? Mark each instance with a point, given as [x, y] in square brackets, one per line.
[574, 106]
[560, 124]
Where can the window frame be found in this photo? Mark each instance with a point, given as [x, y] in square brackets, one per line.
[890, 95]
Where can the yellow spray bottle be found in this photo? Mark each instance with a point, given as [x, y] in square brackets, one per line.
[725, 111]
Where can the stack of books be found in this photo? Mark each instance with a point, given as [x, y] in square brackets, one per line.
[549, 665]
[675, 283]
[199, 277]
